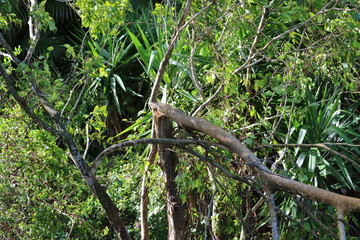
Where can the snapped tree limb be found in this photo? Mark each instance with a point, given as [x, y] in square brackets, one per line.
[276, 182]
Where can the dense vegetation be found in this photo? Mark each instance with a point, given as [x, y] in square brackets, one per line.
[77, 77]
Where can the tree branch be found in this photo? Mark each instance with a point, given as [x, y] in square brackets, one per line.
[23, 104]
[34, 32]
[322, 145]
[273, 215]
[130, 143]
[164, 62]
[340, 224]
[235, 146]
[10, 52]
[257, 53]
[204, 104]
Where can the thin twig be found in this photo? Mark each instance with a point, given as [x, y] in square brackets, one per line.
[63, 213]
[258, 123]
[193, 74]
[223, 170]
[314, 217]
[204, 104]
[320, 145]
[78, 100]
[260, 28]
[121, 145]
[322, 11]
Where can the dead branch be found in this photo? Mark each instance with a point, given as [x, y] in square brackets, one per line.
[275, 181]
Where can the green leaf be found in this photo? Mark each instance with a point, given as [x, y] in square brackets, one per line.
[188, 96]
[307, 226]
[115, 97]
[340, 162]
[312, 159]
[120, 82]
[301, 158]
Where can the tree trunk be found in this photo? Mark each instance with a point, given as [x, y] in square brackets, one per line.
[112, 211]
[176, 211]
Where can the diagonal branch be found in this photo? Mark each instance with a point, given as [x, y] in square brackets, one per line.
[322, 145]
[275, 181]
[23, 104]
[164, 62]
[181, 25]
[10, 52]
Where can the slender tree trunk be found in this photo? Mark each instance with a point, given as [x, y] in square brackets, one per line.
[176, 211]
[144, 210]
[112, 211]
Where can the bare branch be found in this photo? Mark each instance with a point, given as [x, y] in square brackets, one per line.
[259, 123]
[130, 143]
[340, 224]
[164, 62]
[322, 145]
[10, 52]
[264, 16]
[235, 146]
[22, 102]
[257, 53]
[202, 106]
[193, 74]
[181, 25]
[34, 32]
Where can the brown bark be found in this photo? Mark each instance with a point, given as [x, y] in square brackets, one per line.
[276, 182]
[112, 211]
[176, 210]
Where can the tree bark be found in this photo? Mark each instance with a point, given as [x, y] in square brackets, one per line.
[276, 181]
[112, 211]
[176, 210]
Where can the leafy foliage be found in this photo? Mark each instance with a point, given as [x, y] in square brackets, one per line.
[282, 77]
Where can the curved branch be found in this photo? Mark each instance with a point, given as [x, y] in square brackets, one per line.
[275, 181]
[130, 143]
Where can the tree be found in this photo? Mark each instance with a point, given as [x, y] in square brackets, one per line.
[277, 75]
